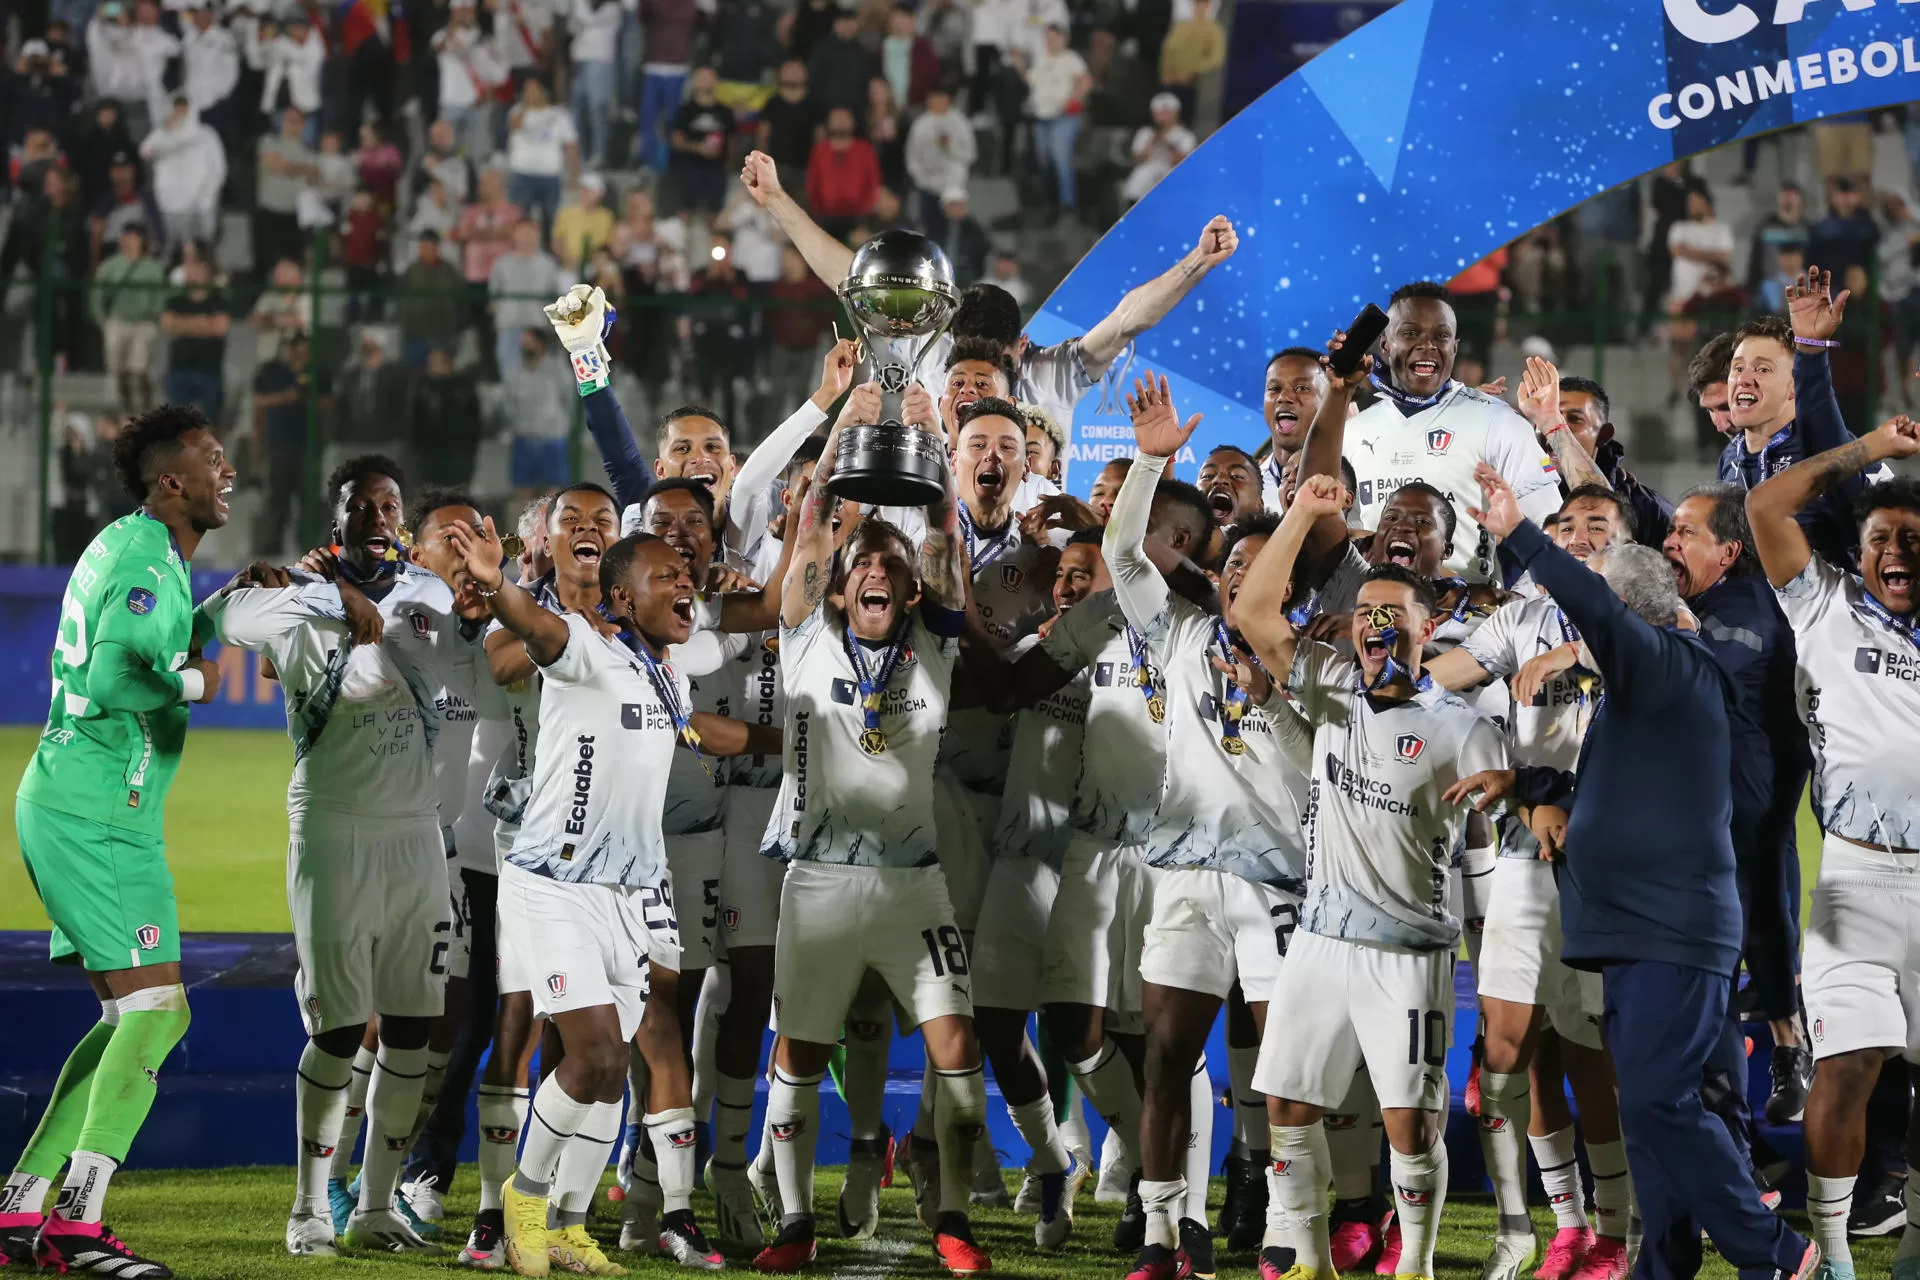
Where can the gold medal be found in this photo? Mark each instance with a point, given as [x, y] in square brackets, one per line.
[873, 742]
[1234, 746]
[511, 546]
[1157, 709]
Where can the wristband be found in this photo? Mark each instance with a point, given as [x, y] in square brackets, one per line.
[1814, 342]
[1558, 426]
[193, 684]
[590, 369]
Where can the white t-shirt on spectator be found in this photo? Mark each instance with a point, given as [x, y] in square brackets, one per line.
[1027, 25]
[1164, 154]
[539, 146]
[596, 30]
[1707, 237]
[1051, 83]
[756, 242]
[519, 28]
[467, 67]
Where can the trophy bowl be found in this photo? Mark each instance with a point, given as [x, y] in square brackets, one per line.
[890, 465]
[900, 285]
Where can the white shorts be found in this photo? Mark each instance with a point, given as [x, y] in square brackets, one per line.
[1472, 886]
[460, 953]
[1861, 965]
[1210, 928]
[1099, 923]
[1339, 1004]
[837, 922]
[584, 945]
[749, 883]
[693, 861]
[1520, 957]
[1010, 944]
[371, 924]
[963, 821]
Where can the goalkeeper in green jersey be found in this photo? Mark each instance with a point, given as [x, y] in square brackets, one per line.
[126, 662]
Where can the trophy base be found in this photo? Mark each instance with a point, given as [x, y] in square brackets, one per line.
[889, 465]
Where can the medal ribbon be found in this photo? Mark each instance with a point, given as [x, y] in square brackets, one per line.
[1780, 437]
[1571, 635]
[1908, 631]
[873, 683]
[979, 559]
[668, 692]
[1143, 675]
[1233, 707]
[1382, 617]
[1412, 404]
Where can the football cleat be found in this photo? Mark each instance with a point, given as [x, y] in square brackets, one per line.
[1906, 1269]
[953, 1243]
[682, 1240]
[311, 1236]
[1606, 1260]
[1130, 1232]
[342, 1200]
[791, 1250]
[1156, 1262]
[1249, 1227]
[1115, 1176]
[989, 1184]
[423, 1197]
[1812, 1263]
[382, 1229]
[572, 1249]
[91, 1248]
[1792, 1070]
[859, 1206]
[1356, 1234]
[1388, 1263]
[1567, 1251]
[18, 1234]
[766, 1195]
[1881, 1211]
[639, 1227]
[1196, 1250]
[734, 1216]
[486, 1247]
[1513, 1253]
[923, 1172]
[524, 1225]
[1057, 1191]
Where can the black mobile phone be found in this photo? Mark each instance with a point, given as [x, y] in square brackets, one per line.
[1361, 335]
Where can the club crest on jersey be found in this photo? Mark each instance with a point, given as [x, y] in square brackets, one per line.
[731, 918]
[1408, 746]
[557, 984]
[1011, 576]
[1438, 440]
[148, 936]
[1819, 1028]
[421, 624]
[141, 600]
[313, 1007]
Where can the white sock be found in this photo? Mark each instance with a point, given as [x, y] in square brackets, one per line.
[363, 1060]
[1910, 1236]
[925, 1127]
[732, 1120]
[1353, 1140]
[1297, 1195]
[1505, 1103]
[1199, 1164]
[552, 1120]
[503, 1115]
[84, 1192]
[867, 1043]
[1249, 1104]
[959, 1120]
[1560, 1175]
[1829, 1201]
[1164, 1202]
[319, 1105]
[584, 1160]
[1073, 1130]
[429, 1093]
[1037, 1128]
[1612, 1188]
[793, 1125]
[671, 1133]
[25, 1193]
[715, 989]
[1107, 1080]
[1419, 1193]
[393, 1099]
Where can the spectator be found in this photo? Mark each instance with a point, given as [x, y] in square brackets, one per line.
[1900, 269]
[365, 251]
[1848, 235]
[82, 459]
[324, 198]
[907, 59]
[596, 35]
[719, 325]
[291, 59]
[523, 38]
[788, 124]
[128, 52]
[948, 27]
[668, 29]
[700, 131]
[1786, 225]
[888, 134]
[125, 204]
[442, 162]
[1699, 242]
[40, 94]
[636, 240]
[522, 281]
[373, 395]
[583, 226]
[483, 233]
[443, 424]
[434, 213]
[209, 67]
[1006, 275]
[286, 167]
[1789, 262]
[1159, 146]
[965, 240]
[536, 408]
[65, 57]
[129, 293]
[1667, 195]
[469, 76]
[99, 145]
[378, 165]
[196, 324]
[542, 150]
[189, 170]
[1844, 146]
[940, 154]
[1192, 49]
[840, 66]
[1717, 305]
[1606, 229]
[1057, 85]
[797, 326]
[281, 391]
[843, 175]
[1868, 333]
[281, 312]
[747, 44]
[812, 22]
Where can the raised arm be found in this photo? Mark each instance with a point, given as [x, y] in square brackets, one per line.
[1158, 433]
[1815, 312]
[545, 633]
[829, 258]
[1540, 405]
[811, 542]
[1773, 505]
[944, 575]
[1148, 304]
[771, 456]
[1261, 609]
[581, 318]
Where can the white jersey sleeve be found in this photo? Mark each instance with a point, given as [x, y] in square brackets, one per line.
[1123, 758]
[751, 501]
[1515, 452]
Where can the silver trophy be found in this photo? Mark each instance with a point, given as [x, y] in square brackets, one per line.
[900, 287]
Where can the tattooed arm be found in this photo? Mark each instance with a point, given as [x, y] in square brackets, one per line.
[1540, 405]
[943, 556]
[1147, 305]
[811, 538]
[1771, 507]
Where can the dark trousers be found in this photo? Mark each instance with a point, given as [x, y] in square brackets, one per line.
[438, 1148]
[1767, 869]
[1663, 1025]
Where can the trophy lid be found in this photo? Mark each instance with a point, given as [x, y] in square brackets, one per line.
[900, 284]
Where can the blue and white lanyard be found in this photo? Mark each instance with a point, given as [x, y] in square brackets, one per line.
[1002, 544]
[1780, 437]
[874, 683]
[1412, 404]
[668, 692]
[1233, 707]
[1908, 631]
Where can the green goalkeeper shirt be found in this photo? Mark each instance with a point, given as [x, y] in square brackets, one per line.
[119, 718]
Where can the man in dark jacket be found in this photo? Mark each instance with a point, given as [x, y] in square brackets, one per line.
[445, 423]
[1647, 889]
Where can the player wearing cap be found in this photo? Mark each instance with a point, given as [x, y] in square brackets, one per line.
[1857, 642]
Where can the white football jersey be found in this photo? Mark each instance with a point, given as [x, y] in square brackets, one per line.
[457, 701]
[1123, 761]
[1441, 445]
[1382, 840]
[1549, 730]
[1858, 682]
[1044, 766]
[1052, 377]
[1012, 599]
[363, 718]
[600, 780]
[839, 802]
[697, 784]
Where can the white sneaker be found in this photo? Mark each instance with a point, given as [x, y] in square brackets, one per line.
[1028, 1201]
[1056, 1194]
[383, 1229]
[639, 1227]
[424, 1198]
[310, 1235]
[734, 1216]
[1513, 1254]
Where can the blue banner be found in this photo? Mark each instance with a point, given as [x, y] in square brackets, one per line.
[1434, 134]
[30, 614]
